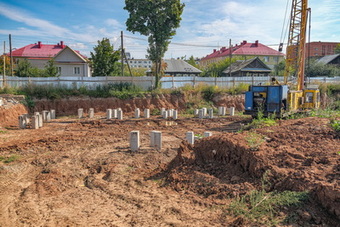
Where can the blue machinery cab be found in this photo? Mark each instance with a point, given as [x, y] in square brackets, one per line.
[270, 100]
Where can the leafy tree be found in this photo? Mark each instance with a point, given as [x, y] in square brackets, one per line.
[24, 68]
[321, 70]
[105, 59]
[7, 65]
[215, 69]
[280, 68]
[192, 61]
[337, 49]
[50, 69]
[157, 19]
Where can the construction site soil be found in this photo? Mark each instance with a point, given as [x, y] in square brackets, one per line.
[81, 172]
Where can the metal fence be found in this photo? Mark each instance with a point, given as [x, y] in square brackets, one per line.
[147, 82]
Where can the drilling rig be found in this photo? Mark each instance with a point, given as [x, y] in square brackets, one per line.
[281, 99]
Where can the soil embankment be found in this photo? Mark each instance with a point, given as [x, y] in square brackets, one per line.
[298, 155]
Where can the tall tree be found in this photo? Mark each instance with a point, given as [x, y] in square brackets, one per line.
[50, 69]
[337, 49]
[157, 19]
[105, 59]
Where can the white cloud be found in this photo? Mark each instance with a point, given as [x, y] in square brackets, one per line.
[113, 23]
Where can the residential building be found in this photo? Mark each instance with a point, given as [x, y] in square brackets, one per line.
[139, 63]
[68, 61]
[178, 67]
[319, 49]
[330, 60]
[252, 68]
[245, 51]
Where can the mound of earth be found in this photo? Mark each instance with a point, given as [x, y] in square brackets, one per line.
[10, 109]
[297, 155]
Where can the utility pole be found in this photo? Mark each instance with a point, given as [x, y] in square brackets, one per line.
[122, 52]
[230, 55]
[4, 73]
[10, 53]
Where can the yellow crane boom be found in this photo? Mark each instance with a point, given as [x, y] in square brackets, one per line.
[295, 58]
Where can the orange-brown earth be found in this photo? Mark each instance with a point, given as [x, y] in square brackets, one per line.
[80, 172]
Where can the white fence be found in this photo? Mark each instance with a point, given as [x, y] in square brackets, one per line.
[146, 82]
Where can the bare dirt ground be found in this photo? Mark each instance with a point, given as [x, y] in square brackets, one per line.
[80, 172]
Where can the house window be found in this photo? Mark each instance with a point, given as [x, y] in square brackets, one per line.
[266, 59]
[76, 70]
[59, 70]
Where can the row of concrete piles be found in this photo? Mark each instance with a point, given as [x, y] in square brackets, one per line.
[156, 139]
[36, 120]
[209, 113]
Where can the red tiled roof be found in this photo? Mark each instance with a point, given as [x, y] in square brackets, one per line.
[245, 48]
[38, 50]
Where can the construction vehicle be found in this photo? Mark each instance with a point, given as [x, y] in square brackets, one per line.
[281, 99]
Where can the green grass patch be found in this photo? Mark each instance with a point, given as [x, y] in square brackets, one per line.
[9, 159]
[262, 207]
[335, 124]
[254, 140]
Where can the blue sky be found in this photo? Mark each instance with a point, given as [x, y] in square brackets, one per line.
[205, 25]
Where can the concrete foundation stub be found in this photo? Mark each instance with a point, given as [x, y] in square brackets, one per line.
[91, 112]
[53, 116]
[201, 114]
[207, 134]
[35, 122]
[147, 113]
[165, 114]
[175, 114]
[80, 113]
[40, 119]
[204, 111]
[22, 122]
[134, 141]
[232, 111]
[211, 113]
[114, 113]
[162, 111]
[120, 114]
[190, 137]
[108, 113]
[137, 113]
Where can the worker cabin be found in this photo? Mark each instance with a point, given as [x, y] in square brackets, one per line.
[68, 61]
[247, 68]
[177, 67]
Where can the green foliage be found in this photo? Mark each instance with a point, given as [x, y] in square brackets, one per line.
[158, 20]
[7, 65]
[50, 69]
[316, 69]
[279, 69]
[105, 59]
[335, 125]
[262, 207]
[192, 61]
[254, 140]
[337, 49]
[209, 92]
[216, 69]
[119, 90]
[9, 159]
[24, 68]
